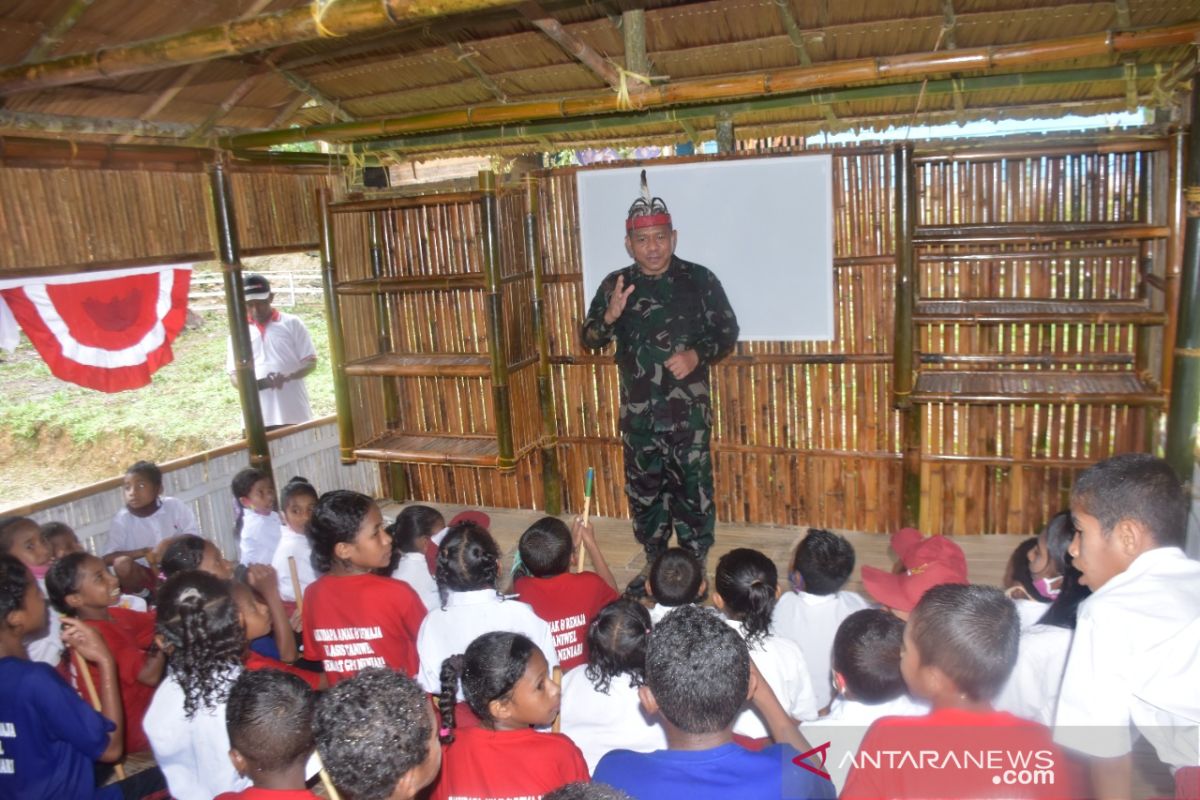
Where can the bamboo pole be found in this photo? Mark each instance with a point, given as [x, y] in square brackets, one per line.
[571, 44]
[296, 592]
[633, 28]
[94, 697]
[902, 364]
[306, 23]
[337, 347]
[1184, 401]
[551, 473]
[497, 346]
[396, 480]
[54, 123]
[788, 80]
[225, 238]
[1176, 163]
[54, 33]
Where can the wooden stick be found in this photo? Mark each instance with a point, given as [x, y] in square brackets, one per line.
[296, 584]
[557, 726]
[588, 484]
[326, 781]
[94, 696]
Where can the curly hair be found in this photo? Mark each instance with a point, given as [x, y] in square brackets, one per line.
[15, 579]
[335, 520]
[183, 553]
[489, 670]
[747, 581]
[468, 559]
[198, 619]
[616, 642]
[62, 579]
[371, 730]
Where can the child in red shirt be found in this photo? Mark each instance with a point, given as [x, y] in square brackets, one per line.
[269, 719]
[353, 618]
[567, 601]
[81, 586]
[256, 620]
[508, 686]
[960, 645]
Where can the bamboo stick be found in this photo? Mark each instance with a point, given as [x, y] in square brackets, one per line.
[557, 725]
[551, 475]
[571, 44]
[299, 595]
[94, 696]
[337, 347]
[497, 347]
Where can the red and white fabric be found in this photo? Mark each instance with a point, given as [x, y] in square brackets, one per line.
[108, 331]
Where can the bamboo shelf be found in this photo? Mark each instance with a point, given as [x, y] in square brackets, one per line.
[414, 283]
[1036, 232]
[433, 365]
[1020, 387]
[469, 451]
[1037, 311]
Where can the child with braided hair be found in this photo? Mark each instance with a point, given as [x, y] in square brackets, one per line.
[201, 630]
[509, 687]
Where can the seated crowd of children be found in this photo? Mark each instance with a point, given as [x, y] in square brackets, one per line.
[386, 660]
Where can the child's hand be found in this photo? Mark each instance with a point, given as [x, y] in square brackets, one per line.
[582, 532]
[297, 621]
[85, 640]
[263, 579]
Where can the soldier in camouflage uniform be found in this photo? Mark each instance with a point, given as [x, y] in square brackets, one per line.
[671, 320]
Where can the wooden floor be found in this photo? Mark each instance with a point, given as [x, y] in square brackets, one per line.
[986, 555]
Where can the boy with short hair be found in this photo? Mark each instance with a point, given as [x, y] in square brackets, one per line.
[866, 672]
[378, 736]
[269, 717]
[698, 675]
[811, 613]
[959, 647]
[676, 579]
[924, 562]
[567, 601]
[1130, 515]
[147, 518]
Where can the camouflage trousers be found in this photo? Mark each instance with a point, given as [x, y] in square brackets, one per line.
[668, 479]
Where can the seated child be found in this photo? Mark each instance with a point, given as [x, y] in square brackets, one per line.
[600, 706]
[411, 534]
[256, 622]
[353, 618]
[189, 552]
[1131, 514]
[80, 586]
[258, 527]
[510, 689]
[676, 578]
[1070, 591]
[925, 562]
[50, 736]
[959, 646]
[810, 614]
[567, 601]
[62, 541]
[21, 538]
[435, 541]
[746, 588]
[147, 518]
[378, 711]
[698, 676]
[201, 631]
[1018, 584]
[296, 502]
[467, 574]
[866, 671]
[268, 717]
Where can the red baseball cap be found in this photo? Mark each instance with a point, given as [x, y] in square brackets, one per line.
[478, 517]
[928, 562]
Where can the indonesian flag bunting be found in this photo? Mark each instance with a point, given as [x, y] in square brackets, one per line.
[108, 331]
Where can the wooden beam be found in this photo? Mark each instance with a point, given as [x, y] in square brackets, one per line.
[308, 90]
[467, 58]
[949, 21]
[784, 8]
[633, 30]
[232, 99]
[341, 18]
[51, 123]
[1121, 10]
[575, 47]
[289, 110]
[57, 30]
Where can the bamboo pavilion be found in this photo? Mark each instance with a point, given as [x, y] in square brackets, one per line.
[1007, 312]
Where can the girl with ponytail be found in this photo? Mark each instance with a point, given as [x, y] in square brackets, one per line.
[510, 688]
[746, 588]
[201, 631]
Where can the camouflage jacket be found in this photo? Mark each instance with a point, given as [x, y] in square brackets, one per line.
[683, 308]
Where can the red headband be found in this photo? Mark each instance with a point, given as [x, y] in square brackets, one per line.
[647, 221]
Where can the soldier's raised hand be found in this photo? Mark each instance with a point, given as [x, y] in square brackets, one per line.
[617, 300]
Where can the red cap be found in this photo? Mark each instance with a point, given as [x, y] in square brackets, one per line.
[478, 517]
[928, 562]
[647, 221]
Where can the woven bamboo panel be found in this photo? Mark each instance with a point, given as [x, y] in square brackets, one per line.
[470, 486]
[277, 209]
[526, 415]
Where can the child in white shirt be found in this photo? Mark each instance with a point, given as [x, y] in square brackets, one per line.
[411, 539]
[21, 538]
[747, 586]
[296, 501]
[600, 708]
[866, 672]
[676, 579]
[147, 519]
[810, 614]
[258, 527]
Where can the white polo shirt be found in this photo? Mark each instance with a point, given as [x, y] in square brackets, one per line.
[297, 546]
[1155, 599]
[783, 667]
[599, 723]
[413, 569]
[129, 532]
[846, 725]
[811, 621]
[282, 345]
[1167, 701]
[1033, 687]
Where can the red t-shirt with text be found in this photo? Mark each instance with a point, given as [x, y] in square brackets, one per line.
[352, 622]
[483, 764]
[257, 661]
[568, 603]
[128, 635]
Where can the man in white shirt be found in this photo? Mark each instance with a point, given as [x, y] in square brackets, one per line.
[283, 357]
[1130, 515]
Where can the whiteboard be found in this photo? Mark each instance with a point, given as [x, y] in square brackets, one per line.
[764, 226]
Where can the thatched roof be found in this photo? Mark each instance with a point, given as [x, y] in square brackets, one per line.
[497, 58]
